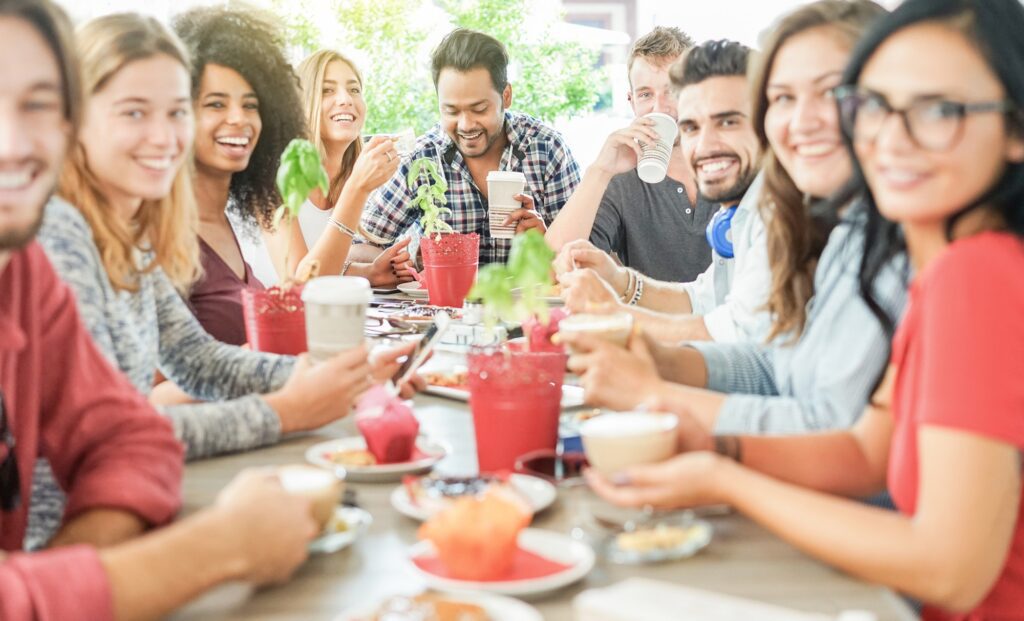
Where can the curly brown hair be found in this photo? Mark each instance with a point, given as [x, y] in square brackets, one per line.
[252, 46]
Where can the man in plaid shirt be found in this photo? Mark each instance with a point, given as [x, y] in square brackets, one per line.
[477, 134]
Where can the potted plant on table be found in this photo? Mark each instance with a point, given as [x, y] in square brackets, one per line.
[516, 389]
[275, 319]
[450, 258]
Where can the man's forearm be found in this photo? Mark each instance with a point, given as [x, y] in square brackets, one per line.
[576, 219]
[665, 297]
[155, 574]
[100, 528]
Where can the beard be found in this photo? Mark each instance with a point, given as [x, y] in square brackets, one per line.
[19, 238]
[735, 192]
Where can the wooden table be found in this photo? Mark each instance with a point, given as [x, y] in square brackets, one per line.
[743, 559]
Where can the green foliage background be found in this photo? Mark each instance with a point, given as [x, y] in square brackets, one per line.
[550, 79]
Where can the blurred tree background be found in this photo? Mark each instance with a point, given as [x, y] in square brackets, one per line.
[391, 41]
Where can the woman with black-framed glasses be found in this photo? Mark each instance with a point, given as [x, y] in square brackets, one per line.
[933, 119]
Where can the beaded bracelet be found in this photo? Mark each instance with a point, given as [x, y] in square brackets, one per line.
[342, 227]
[638, 292]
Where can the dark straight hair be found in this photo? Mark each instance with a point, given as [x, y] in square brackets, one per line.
[994, 27]
[463, 50]
[50, 21]
[711, 59]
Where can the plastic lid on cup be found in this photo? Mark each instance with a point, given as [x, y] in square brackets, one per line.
[337, 290]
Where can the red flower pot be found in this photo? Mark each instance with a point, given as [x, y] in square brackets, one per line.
[275, 320]
[449, 266]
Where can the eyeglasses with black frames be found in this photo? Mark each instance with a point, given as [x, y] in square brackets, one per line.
[932, 123]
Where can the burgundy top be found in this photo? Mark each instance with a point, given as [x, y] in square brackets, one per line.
[107, 446]
[216, 300]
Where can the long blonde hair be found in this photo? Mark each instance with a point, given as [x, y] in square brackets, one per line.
[795, 238]
[311, 72]
[168, 227]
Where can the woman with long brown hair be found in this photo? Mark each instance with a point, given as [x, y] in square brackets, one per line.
[827, 347]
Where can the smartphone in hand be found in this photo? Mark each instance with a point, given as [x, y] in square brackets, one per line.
[423, 348]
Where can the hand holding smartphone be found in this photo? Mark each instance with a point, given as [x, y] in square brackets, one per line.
[423, 348]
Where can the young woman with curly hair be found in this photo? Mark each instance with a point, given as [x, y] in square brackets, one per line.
[247, 110]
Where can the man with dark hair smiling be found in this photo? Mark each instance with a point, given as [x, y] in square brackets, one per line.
[656, 229]
[726, 302]
[116, 458]
[477, 134]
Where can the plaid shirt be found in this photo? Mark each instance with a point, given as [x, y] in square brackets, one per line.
[536, 150]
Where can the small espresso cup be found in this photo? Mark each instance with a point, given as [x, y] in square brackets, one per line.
[615, 441]
[321, 486]
[335, 314]
[653, 164]
[614, 328]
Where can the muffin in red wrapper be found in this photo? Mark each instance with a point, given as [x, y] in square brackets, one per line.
[387, 425]
[476, 537]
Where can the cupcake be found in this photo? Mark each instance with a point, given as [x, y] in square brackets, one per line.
[387, 425]
[475, 537]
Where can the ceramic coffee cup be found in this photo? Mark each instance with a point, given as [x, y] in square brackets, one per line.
[615, 441]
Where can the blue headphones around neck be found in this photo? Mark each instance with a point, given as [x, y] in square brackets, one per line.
[719, 232]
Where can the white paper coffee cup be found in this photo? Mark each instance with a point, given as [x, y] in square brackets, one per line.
[614, 328]
[653, 164]
[335, 314]
[502, 185]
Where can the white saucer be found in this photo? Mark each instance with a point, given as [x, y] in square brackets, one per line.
[414, 290]
[537, 492]
[555, 546]
[382, 473]
[498, 608]
[358, 522]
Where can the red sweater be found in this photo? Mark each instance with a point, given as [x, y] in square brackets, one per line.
[108, 448]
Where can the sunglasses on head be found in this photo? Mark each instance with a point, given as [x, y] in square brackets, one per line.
[10, 482]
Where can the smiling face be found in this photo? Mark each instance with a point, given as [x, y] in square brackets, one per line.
[138, 128]
[228, 121]
[33, 131]
[802, 122]
[913, 185]
[472, 112]
[342, 107]
[717, 138]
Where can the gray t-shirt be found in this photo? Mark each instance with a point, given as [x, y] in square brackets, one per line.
[653, 228]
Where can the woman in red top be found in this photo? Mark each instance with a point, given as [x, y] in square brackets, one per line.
[933, 115]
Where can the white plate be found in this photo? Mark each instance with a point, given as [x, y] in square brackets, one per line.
[572, 396]
[551, 300]
[358, 522]
[413, 289]
[554, 546]
[537, 492]
[382, 473]
[498, 608]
